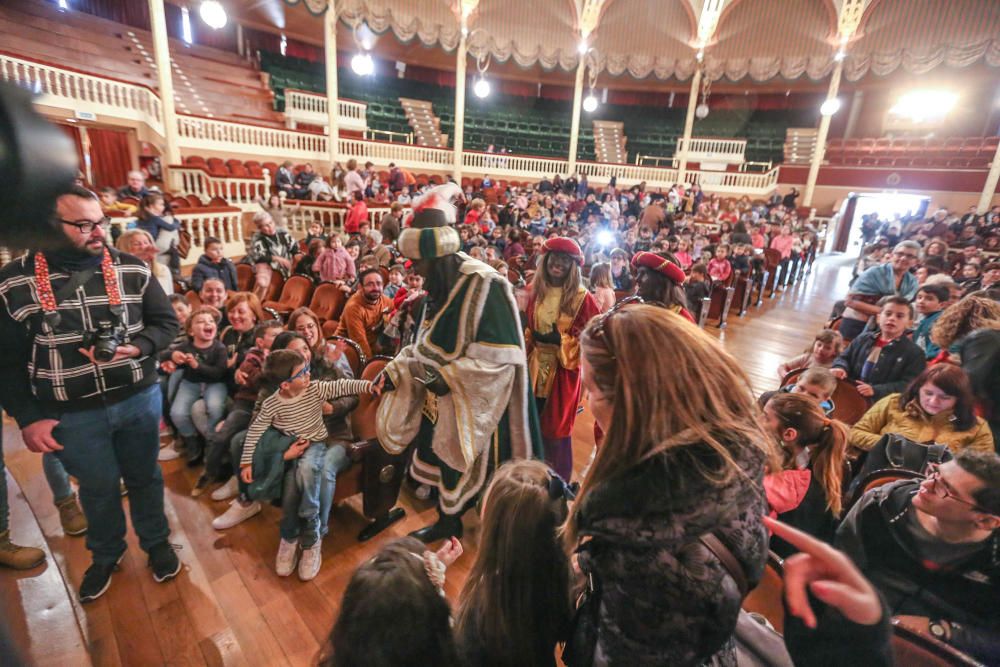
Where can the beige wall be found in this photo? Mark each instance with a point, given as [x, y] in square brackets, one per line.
[828, 198]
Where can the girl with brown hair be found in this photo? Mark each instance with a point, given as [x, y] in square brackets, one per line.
[683, 459]
[515, 606]
[806, 491]
[937, 408]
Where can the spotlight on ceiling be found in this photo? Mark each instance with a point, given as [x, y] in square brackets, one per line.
[213, 14]
[701, 111]
[830, 107]
[924, 105]
[362, 64]
[481, 88]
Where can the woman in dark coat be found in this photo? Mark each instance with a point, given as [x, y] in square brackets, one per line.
[683, 458]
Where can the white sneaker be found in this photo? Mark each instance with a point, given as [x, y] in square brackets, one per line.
[310, 562]
[235, 515]
[227, 490]
[287, 557]
[168, 454]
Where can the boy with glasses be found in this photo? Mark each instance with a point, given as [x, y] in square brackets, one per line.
[932, 549]
[292, 420]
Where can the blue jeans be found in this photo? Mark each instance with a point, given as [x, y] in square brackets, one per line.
[55, 475]
[310, 480]
[334, 461]
[104, 445]
[189, 392]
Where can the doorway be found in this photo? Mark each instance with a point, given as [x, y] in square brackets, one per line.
[888, 205]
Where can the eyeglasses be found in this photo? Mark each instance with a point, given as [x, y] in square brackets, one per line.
[942, 489]
[905, 255]
[305, 371]
[87, 226]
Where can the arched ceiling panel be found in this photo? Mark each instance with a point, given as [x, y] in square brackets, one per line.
[640, 38]
[528, 31]
[763, 39]
[919, 35]
[430, 21]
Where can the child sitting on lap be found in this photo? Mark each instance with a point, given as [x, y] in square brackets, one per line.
[295, 410]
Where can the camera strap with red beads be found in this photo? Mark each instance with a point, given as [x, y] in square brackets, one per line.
[49, 300]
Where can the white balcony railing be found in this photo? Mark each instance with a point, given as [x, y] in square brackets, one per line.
[304, 107]
[329, 214]
[71, 90]
[236, 190]
[82, 93]
[223, 223]
[703, 149]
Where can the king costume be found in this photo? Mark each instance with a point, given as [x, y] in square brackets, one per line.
[473, 342]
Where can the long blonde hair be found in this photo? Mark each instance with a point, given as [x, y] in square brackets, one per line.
[124, 244]
[700, 396]
[570, 287]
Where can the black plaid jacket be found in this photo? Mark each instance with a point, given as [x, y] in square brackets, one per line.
[43, 373]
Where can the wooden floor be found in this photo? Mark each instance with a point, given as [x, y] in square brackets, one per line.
[228, 607]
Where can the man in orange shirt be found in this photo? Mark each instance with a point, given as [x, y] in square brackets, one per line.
[365, 312]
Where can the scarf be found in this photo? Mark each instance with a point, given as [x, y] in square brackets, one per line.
[881, 281]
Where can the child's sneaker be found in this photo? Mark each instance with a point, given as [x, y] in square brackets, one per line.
[228, 490]
[287, 557]
[310, 562]
[236, 514]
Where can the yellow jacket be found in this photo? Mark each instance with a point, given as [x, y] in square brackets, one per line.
[914, 423]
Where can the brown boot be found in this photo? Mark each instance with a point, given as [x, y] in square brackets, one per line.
[18, 557]
[71, 516]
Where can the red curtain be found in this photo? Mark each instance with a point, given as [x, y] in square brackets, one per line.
[73, 132]
[110, 161]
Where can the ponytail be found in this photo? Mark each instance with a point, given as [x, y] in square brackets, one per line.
[828, 438]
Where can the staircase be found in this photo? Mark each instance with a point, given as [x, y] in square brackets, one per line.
[609, 141]
[426, 126]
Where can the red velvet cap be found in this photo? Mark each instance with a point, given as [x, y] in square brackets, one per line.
[659, 264]
[565, 245]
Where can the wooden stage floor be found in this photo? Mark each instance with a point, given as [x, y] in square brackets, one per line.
[228, 607]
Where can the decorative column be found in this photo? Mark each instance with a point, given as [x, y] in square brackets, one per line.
[990, 188]
[459, 138]
[824, 129]
[161, 52]
[332, 104]
[574, 125]
[682, 153]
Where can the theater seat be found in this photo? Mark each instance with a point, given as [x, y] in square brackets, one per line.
[294, 294]
[916, 649]
[849, 405]
[375, 473]
[244, 277]
[327, 302]
[766, 598]
[876, 479]
[355, 357]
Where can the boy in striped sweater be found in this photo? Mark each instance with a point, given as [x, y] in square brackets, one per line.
[296, 409]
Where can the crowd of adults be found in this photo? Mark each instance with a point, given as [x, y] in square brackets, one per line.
[503, 308]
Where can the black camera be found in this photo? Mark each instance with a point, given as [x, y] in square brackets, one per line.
[105, 340]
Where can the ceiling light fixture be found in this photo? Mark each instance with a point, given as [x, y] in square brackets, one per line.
[590, 103]
[481, 87]
[840, 55]
[362, 64]
[213, 14]
[924, 105]
[830, 107]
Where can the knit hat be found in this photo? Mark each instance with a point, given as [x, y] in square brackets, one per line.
[428, 233]
[564, 245]
[660, 264]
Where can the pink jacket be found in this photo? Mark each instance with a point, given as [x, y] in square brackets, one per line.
[783, 244]
[786, 489]
[335, 265]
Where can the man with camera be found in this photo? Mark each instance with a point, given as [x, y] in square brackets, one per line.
[81, 325]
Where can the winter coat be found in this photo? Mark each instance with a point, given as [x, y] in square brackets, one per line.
[900, 362]
[206, 269]
[914, 423]
[663, 598]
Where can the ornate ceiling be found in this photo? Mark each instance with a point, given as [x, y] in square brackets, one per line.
[759, 40]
